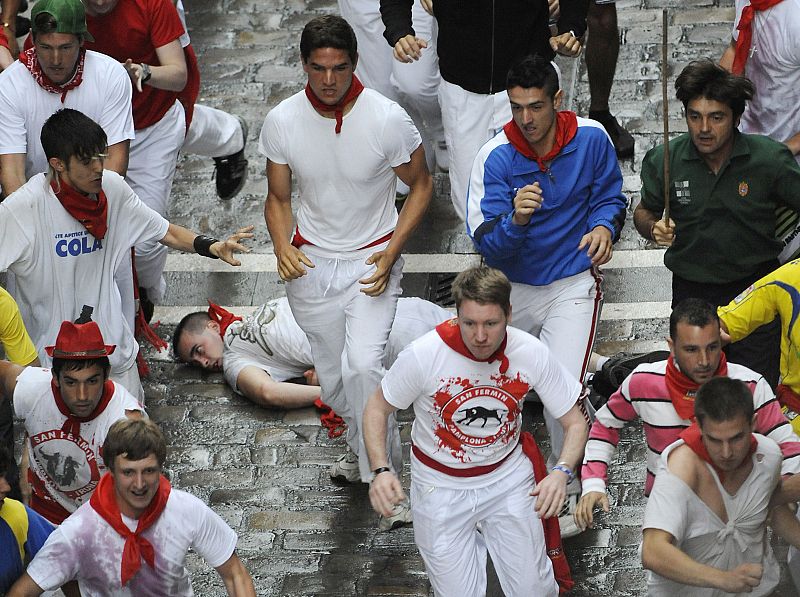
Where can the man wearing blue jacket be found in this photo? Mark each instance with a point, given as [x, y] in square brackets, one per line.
[545, 204]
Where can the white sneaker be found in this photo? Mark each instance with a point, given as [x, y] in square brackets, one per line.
[401, 515]
[346, 468]
[566, 518]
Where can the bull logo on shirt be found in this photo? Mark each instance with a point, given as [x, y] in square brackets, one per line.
[65, 463]
[254, 328]
[478, 419]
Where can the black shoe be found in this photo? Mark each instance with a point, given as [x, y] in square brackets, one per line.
[623, 141]
[23, 26]
[231, 171]
[619, 366]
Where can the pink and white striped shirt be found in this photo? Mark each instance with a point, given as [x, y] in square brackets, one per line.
[644, 394]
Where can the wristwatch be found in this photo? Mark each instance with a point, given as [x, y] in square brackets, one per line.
[146, 72]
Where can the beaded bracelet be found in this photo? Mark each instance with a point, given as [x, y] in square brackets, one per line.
[564, 469]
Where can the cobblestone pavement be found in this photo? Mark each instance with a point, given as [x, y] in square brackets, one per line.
[265, 471]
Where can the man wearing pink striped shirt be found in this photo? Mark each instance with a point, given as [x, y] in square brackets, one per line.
[661, 394]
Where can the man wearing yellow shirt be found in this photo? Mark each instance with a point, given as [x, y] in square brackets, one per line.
[19, 349]
[775, 295]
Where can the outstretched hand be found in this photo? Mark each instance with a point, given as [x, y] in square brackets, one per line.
[226, 249]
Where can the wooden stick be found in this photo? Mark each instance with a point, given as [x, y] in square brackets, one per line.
[665, 108]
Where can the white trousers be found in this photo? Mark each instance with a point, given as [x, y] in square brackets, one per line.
[213, 133]
[129, 379]
[348, 331]
[454, 529]
[470, 120]
[151, 168]
[414, 86]
[564, 316]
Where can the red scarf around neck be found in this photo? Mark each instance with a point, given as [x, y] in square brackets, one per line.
[745, 28]
[682, 389]
[93, 215]
[104, 502]
[31, 62]
[566, 129]
[693, 437]
[450, 334]
[222, 316]
[73, 423]
[338, 109]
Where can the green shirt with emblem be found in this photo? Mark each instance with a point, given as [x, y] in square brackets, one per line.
[725, 222]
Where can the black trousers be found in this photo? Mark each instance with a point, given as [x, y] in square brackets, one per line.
[761, 350]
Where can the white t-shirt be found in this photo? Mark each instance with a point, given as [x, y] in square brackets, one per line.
[69, 467]
[270, 338]
[346, 183]
[467, 413]
[774, 68]
[673, 507]
[87, 548]
[60, 267]
[104, 95]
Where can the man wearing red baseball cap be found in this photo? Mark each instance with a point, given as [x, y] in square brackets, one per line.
[67, 411]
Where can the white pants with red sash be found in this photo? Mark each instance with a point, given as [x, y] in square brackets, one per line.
[455, 528]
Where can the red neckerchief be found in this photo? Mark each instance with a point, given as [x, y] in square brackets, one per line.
[73, 423]
[338, 109]
[552, 530]
[93, 215]
[450, 334]
[31, 62]
[566, 129]
[745, 28]
[330, 420]
[693, 437]
[104, 502]
[223, 317]
[682, 390]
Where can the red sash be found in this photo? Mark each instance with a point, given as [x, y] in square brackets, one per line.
[745, 28]
[693, 437]
[353, 92]
[93, 215]
[566, 129]
[222, 316]
[104, 502]
[73, 423]
[450, 334]
[330, 420]
[682, 389]
[31, 62]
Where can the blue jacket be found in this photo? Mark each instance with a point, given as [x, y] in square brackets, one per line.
[581, 190]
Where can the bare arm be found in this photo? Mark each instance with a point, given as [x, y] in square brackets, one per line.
[9, 15]
[25, 587]
[726, 60]
[237, 579]
[652, 227]
[12, 172]
[552, 490]
[170, 74]
[415, 174]
[182, 239]
[117, 159]
[8, 379]
[259, 387]
[385, 491]
[278, 214]
[6, 59]
[660, 555]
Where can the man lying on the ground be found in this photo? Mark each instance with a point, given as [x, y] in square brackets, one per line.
[718, 466]
[662, 395]
[67, 413]
[260, 354]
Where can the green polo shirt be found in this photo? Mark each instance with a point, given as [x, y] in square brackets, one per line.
[725, 222]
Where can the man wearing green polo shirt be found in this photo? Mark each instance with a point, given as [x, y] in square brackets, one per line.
[724, 188]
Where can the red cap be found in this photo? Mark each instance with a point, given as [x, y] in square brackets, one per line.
[79, 341]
